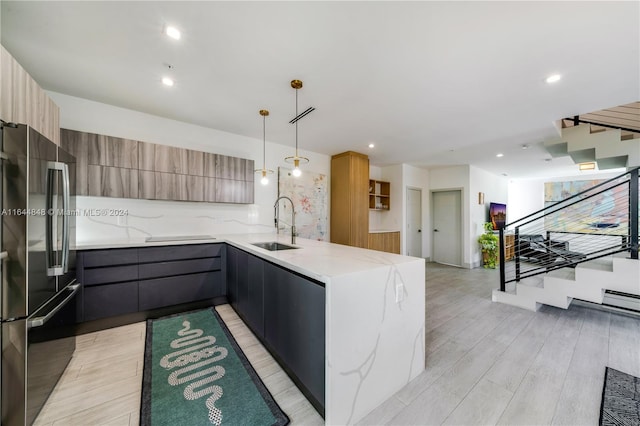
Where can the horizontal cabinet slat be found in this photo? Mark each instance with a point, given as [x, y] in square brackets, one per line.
[163, 254]
[109, 257]
[178, 267]
[169, 291]
[110, 274]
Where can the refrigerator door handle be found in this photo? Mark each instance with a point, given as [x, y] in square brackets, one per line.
[39, 321]
[53, 267]
[65, 218]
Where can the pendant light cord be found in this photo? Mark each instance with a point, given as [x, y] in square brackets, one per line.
[264, 143]
[297, 123]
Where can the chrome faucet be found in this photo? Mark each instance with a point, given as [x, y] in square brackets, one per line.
[276, 217]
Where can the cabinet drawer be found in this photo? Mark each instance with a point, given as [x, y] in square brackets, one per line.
[169, 291]
[163, 254]
[110, 300]
[178, 267]
[93, 258]
[110, 274]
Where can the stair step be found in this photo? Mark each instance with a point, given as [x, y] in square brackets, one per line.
[603, 264]
[564, 273]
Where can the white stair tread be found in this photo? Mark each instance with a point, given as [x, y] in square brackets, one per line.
[564, 273]
[603, 264]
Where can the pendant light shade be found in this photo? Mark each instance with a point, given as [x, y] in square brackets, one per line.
[264, 171]
[296, 160]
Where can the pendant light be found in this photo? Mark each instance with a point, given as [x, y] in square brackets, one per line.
[264, 171]
[296, 160]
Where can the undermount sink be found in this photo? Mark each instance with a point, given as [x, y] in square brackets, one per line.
[274, 246]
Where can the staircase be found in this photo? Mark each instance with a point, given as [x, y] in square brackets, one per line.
[583, 247]
[599, 281]
[608, 148]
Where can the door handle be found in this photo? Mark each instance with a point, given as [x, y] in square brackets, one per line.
[65, 218]
[41, 320]
[419, 230]
[435, 230]
[53, 267]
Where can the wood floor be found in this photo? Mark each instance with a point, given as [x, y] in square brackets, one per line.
[487, 363]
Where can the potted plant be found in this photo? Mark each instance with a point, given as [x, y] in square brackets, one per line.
[489, 245]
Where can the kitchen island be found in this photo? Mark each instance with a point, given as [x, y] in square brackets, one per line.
[374, 315]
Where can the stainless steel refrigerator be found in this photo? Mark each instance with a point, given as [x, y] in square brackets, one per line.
[38, 290]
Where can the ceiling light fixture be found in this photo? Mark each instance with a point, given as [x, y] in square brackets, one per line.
[172, 32]
[587, 166]
[525, 146]
[371, 145]
[167, 81]
[553, 78]
[500, 155]
[264, 171]
[296, 159]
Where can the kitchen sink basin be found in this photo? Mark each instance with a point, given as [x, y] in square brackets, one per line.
[274, 246]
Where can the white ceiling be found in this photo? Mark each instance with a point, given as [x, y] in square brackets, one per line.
[430, 83]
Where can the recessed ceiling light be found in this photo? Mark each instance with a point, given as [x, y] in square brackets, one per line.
[553, 78]
[500, 155]
[167, 81]
[525, 146]
[172, 32]
[371, 145]
[504, 174]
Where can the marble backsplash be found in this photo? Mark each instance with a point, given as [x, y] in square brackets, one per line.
[102, 219]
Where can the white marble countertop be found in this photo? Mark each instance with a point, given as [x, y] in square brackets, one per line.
[318, 260]
[382, 231]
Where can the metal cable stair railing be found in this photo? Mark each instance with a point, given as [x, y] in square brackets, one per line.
[600, 221]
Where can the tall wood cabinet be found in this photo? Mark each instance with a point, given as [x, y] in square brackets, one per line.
[23, 101]
[350, 199]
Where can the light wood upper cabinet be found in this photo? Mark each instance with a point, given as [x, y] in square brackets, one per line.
[350, 199]
[231, 168]
[170, 159]
[23, 101]
[170, 186]
[77, 144]
[116, 182]
[113, 152]
[229, 191]
[115, 167]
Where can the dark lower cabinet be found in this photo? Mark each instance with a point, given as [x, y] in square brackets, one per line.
[103, 301]
[294, 325]
[232, 275]
[255, 298]
[124, 281]
[168, 291]
[286, 311]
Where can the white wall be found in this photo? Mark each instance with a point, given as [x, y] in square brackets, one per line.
[392, 219]
[495, 189]
[417, 178]
[149, 217]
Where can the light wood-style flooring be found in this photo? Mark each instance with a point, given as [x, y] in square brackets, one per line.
[487, 363]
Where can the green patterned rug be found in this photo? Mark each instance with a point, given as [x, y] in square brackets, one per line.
[620, 404]
[196, 374]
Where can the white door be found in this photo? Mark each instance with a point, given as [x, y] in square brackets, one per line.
[447, 227]
[414, 222]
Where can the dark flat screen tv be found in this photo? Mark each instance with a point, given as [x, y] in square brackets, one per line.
[497, 215]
